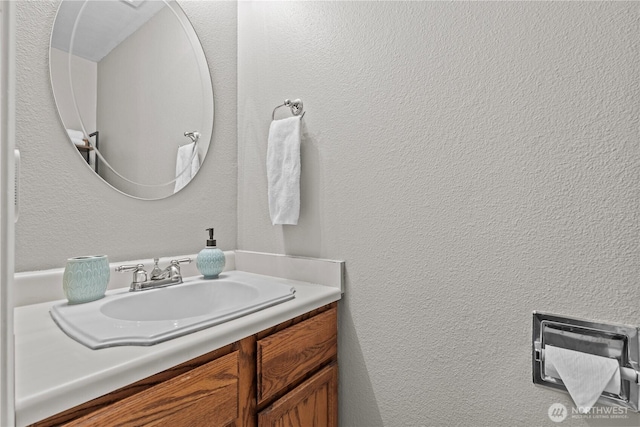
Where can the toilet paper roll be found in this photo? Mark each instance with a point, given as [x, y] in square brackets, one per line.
[612, 387]
[584, 375]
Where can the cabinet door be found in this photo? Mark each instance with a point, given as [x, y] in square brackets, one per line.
[313, 403]
[205, 396]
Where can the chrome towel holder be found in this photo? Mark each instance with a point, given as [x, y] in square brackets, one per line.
[194, 136]
[295, 106]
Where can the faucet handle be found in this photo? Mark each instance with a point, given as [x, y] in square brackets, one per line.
[139, 273]
[134, 268]
[174, 268]
[175, 265]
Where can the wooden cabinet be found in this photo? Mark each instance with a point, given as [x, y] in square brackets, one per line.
[283, 376]
[314, 403]
[290, 368]
[289, 355]
[204, 396]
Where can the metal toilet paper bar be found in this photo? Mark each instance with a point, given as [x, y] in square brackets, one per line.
[620, 342]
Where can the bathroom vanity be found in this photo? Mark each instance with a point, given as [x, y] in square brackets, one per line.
[268, 367]
[285, 373]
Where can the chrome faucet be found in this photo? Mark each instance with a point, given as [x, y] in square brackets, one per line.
[159, 278]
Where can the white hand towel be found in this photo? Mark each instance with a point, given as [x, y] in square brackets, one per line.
[195, 162]
[283, 171]
[185, 170]
[79, 141]
[75, 134]
[584, 375]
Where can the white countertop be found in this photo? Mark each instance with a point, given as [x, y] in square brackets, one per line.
[55, 373]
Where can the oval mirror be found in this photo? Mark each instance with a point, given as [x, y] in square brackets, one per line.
[134, 93]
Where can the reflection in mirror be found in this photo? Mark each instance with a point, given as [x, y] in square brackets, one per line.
[133, 90]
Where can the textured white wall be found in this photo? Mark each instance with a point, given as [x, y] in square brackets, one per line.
[68, 211]
[471, 162]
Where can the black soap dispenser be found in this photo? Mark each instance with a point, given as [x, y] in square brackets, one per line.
[210, 260]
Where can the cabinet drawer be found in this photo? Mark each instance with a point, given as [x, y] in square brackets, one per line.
[287, 356]
[313, 403]
[204, 396]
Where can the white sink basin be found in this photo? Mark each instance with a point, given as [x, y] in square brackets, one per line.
[152, 316]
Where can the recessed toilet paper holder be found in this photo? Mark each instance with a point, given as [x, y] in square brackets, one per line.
[615, 341]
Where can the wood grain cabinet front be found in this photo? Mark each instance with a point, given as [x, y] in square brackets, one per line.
[205, 396]
[314, 403]
[289, 355]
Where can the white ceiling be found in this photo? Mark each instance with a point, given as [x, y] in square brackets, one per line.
[102, 24]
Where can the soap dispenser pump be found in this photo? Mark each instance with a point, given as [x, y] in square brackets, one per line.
[210, 260]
